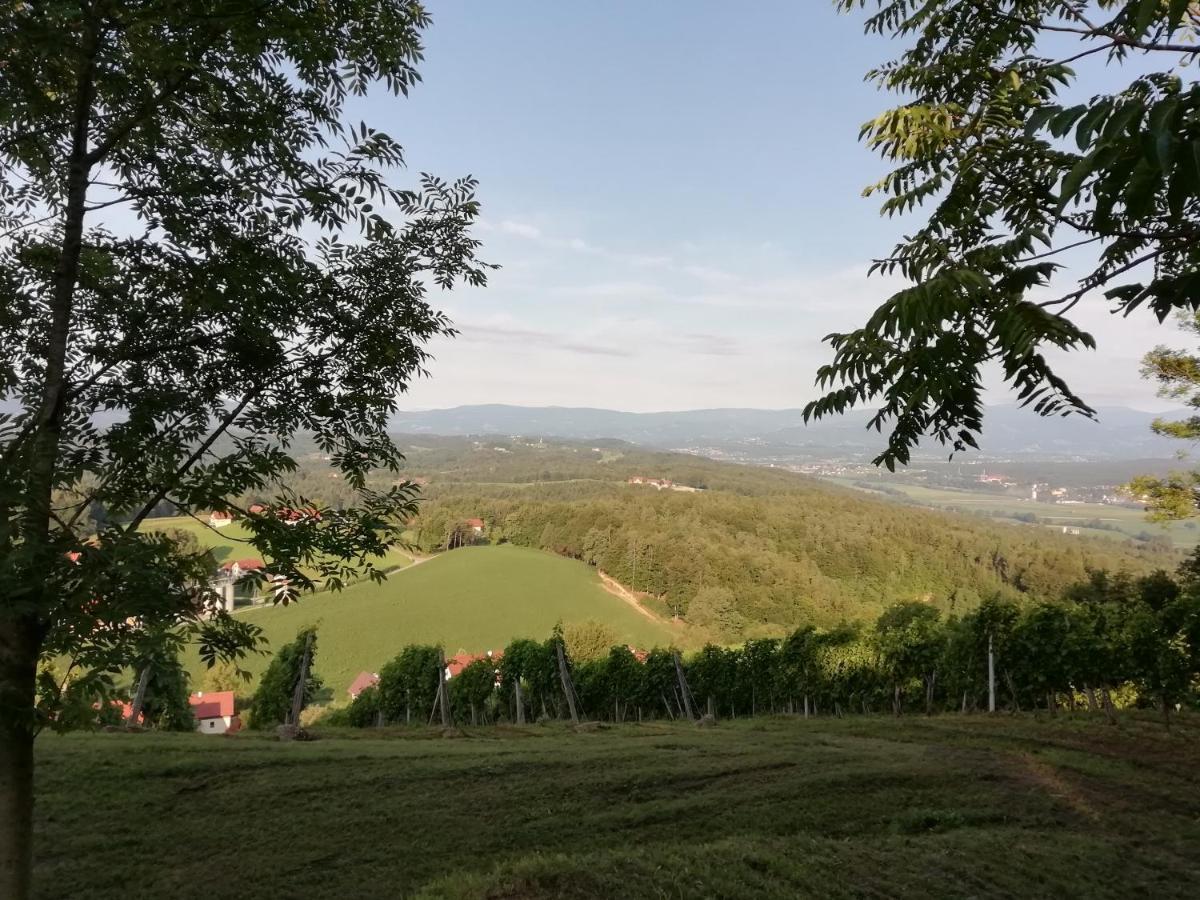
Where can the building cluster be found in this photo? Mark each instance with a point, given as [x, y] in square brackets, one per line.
[663, 484]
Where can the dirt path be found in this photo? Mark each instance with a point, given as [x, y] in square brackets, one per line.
[617, 589]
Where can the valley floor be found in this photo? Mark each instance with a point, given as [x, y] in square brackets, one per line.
[865, 807]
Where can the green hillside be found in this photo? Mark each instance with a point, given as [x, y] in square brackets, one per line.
[232, 541]
[473, 599]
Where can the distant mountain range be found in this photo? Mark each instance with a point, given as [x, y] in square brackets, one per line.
[1119, 433]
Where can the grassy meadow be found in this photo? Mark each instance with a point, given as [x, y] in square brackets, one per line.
[232, 542]
[473, 599]
[863, 807]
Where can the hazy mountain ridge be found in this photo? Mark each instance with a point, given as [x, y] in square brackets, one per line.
[1119, 432]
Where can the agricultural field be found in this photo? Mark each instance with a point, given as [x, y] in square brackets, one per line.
[473, 599]
[1007, 806]
[1120, 522]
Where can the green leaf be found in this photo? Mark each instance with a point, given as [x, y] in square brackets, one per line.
[1146, 12]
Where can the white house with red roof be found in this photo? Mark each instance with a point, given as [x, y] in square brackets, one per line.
[220, 519]
[363, 681]
[213, 711]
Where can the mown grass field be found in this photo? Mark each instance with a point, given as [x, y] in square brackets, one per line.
[473, 599]
[865, 807]
[230, 543]
[1127, 522]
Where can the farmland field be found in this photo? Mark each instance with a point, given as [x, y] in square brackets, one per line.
[473, 599]
[1123, 521]
[1009, 806]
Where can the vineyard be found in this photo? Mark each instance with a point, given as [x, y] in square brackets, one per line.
[1113, 642]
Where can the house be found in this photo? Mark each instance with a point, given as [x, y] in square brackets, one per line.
[217, 519]
[213, 711]
[257, 509]
[363, 681]
[476, 525]
[459, 661]
[296, 516]
[240, 567]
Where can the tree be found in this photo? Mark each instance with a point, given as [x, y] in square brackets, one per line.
[1019, 184]
[588, 640]
[1177, 373]
[474, 686]
[272, 701]
[202, 258]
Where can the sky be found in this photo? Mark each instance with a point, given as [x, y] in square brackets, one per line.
[673, 193]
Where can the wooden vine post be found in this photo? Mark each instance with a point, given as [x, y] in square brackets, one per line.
[684, 692]
[567, 685]
[139, 696]
[520, 700]
[301, 683]
[443, 689]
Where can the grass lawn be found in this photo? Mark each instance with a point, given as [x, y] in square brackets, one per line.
[474, 599]
[864, 807]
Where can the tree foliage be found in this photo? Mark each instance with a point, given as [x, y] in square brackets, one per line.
[1019, 177]
[203, 256]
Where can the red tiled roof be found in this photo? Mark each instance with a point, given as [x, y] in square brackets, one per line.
[455, 664]
[212, 705]
[221, 515]
[256, 509]
[246, 565]
[475, 523]
[361, 683]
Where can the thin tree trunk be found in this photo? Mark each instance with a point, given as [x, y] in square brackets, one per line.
[670, 712]
[712, 707]
[21, 637]
[1089, 694]
[519, 700]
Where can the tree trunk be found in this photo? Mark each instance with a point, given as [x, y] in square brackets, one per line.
[806, 706]
[712, 707]
[1089, 694]
[474, 714]
[670, 712]
[18, 674]
[1166, 712]
[896, 699]
[519, 700]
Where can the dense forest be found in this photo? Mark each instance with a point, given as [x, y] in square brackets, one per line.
[755, 552]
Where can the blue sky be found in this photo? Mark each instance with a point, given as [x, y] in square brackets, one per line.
[673, 191]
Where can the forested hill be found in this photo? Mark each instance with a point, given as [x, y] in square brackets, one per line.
[757, 551]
